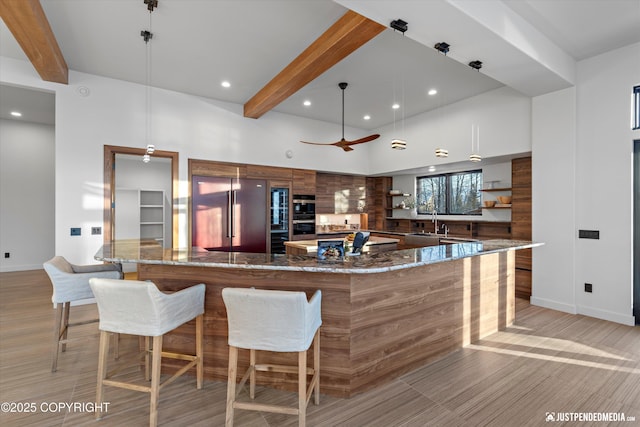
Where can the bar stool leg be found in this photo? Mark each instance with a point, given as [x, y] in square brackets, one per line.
[252, 374]
[316, 366]
[116, 346]
[147, 358]
[199, 350]
[155, 380]
[65, 325]
[231, 384]
[102, 370]
[57, 323]
[302, 388]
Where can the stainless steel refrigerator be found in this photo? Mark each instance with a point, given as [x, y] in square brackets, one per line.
[229, 214]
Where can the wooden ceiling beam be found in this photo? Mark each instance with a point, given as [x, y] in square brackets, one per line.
[29, 25]
[345, 36]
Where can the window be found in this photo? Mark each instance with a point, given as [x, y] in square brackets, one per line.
[452, 194]
[636, 107]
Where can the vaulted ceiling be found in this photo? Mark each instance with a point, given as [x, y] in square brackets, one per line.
[530, 45]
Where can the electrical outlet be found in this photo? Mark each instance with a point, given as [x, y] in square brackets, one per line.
[7, 255]
[76, 231]
[96, 230]
[588, 287]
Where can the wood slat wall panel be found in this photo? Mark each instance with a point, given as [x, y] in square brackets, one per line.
[521, 220]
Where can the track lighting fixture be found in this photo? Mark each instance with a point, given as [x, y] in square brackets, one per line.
[399, 25]
[476, 65]
[442, 47]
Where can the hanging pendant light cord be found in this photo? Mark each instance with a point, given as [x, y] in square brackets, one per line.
[342, 113]
[148, 80]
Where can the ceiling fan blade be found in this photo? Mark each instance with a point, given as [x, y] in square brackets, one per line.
[321, 143]
[346, 148]
[365, 139]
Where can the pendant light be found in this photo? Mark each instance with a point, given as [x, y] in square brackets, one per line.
[147, 35]
[397, 143]
[441, 152]
[475, 144]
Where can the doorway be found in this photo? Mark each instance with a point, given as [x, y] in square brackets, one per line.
[150, 204]
[636, 230]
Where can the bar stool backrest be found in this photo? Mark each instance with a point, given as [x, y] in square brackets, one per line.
[71, 282]
[139, 308]
[271, 320]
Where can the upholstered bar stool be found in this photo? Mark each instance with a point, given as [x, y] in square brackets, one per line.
[139, 308]
[71, 283]
[279, 321]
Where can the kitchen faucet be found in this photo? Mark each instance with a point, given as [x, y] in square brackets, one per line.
[434, 219]
[446, 230]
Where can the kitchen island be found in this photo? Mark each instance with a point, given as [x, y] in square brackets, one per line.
[383, 314]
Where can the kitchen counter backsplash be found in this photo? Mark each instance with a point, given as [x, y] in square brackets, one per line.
[327, 223]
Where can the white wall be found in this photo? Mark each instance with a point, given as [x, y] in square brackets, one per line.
[27, 195]
[582, 179]
[504, 118]
[554, 200]
[604, 174]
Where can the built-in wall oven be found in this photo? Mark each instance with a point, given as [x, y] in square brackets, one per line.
[304, 214]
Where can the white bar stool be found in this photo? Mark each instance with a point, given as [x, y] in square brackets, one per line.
[139, 308]
[279, 321]
[71, 283]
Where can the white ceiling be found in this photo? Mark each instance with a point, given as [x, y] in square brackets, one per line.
[530, 45]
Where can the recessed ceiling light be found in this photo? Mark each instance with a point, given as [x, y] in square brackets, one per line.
[432, 92]
[225, 84]
[306, 103]
[395, 106]
[16, 114]
[367, 117]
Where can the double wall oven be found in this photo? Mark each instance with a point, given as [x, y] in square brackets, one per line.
[304, 214]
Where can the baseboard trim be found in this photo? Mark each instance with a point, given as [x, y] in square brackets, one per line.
[553, 305]
[11, 268]
[625, 319]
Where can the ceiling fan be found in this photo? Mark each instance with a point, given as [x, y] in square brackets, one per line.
[343, 143]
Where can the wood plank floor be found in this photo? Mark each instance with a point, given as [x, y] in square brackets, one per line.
[548, 362]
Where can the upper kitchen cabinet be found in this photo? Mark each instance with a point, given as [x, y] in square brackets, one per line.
[268, 172]
[339, 194]
[304, 181]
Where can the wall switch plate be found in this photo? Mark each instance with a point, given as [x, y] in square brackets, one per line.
[96, 230]
[589, 234]
[588, 287]
[76, 231]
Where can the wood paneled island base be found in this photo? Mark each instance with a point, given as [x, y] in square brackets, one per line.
[376, 325]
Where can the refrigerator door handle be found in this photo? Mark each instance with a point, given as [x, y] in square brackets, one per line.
[229, 213]
[233, 206]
